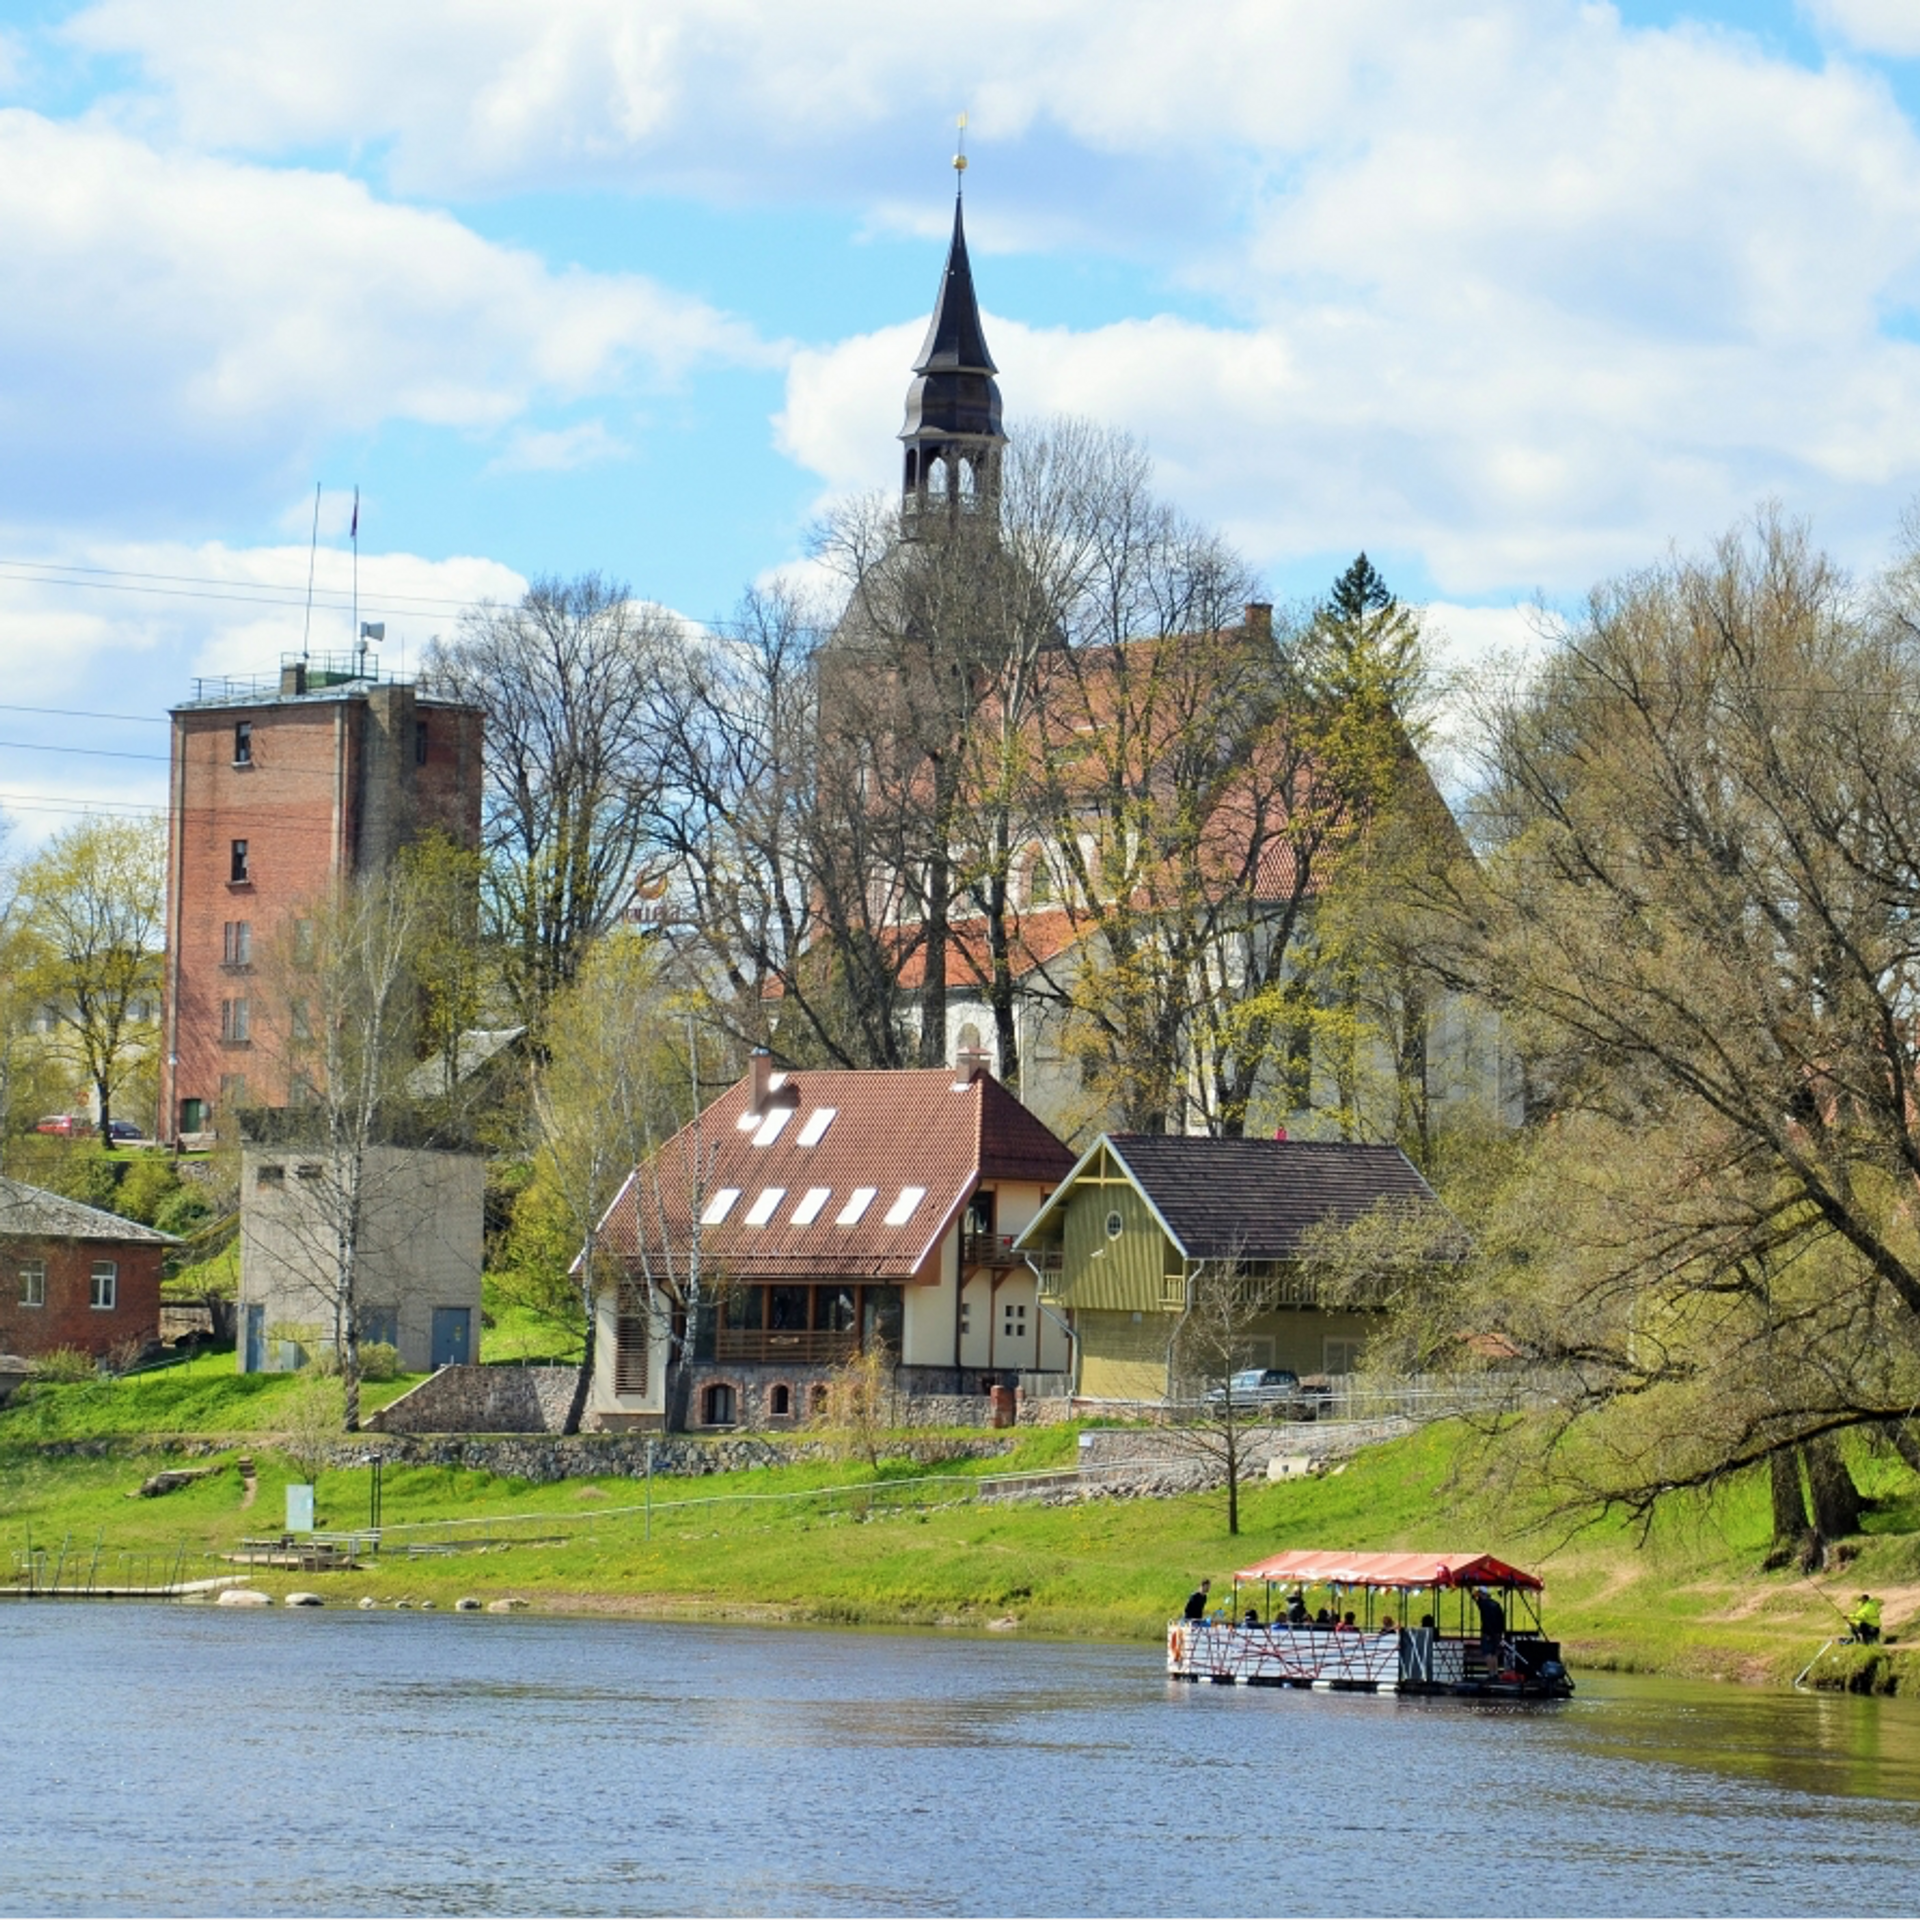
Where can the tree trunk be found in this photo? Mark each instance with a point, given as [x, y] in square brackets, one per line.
[1789, 1506]
[1836, 1501]
[583, 1385]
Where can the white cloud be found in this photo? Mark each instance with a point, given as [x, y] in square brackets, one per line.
[180, 328]
[561, 450]
[1875, 26]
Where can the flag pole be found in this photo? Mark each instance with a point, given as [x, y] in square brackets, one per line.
[313, 549]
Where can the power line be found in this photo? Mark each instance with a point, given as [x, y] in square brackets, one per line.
[87, 713]
[96, 753]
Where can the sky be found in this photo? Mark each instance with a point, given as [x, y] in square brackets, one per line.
[1512, 294]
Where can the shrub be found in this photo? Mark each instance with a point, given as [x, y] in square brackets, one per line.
[184, 1211]
[64, 1367]
[379, 1361]
[146, 1187]
[87, 1175]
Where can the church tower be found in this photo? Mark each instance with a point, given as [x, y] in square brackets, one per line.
[952, 433]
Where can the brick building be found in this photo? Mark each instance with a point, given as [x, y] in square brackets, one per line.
[73, 1276]
[280, 789]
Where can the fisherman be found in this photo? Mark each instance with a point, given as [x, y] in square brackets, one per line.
[1864, 1621]
[1197, 1601]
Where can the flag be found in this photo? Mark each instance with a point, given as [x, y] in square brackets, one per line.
[353, 532]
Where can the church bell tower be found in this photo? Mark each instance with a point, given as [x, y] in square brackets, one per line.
[953, 437]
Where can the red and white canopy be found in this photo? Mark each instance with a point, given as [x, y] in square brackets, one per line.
[1307, 1568]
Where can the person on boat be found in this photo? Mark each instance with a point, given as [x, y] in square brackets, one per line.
[1197, 1601]
[1386, 1623]
[1345, 1624]
[1324, 1618]
[1493, 1620]
[1253, 1617]
[1297, 1614]
[1864, 1621]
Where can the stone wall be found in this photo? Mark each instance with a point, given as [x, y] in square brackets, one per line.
[474, 1399]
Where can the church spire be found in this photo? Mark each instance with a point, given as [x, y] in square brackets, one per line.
[952, 432]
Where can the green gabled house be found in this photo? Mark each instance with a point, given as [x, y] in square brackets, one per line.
[1124, 1240]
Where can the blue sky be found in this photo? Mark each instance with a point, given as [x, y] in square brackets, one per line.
[1511, 294]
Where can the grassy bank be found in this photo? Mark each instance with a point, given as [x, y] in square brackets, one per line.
[835, 1542]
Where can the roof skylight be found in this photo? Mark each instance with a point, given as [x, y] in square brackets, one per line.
[764, 1204]
[808, 1211]
[902, 1209]
[773, 1126]
[857, 1204]
[719, 1206]
[818, 1121]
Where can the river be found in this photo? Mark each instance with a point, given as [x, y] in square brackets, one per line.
[202, 1761]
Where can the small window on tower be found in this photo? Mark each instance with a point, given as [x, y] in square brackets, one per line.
[243, 743]
[419, 743]
[236, 947]
[237, 868]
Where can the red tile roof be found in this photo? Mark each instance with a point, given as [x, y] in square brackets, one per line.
[887, 1135]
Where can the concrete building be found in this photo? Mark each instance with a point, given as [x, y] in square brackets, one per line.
[280, 790]
[419, 1249]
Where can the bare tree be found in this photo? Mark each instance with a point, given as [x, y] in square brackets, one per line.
[566, 678]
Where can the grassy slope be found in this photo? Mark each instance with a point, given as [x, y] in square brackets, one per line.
[1687, 1599]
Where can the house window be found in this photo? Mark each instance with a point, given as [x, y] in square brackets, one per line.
[299, 1023]
[236, 944]
[1013, 1320]
[308, 1170]
[716, 1405]
[237, 873]
[273, 1175]
[243, 743]
[303, 943]
[106, 1285]
[1115, 1225]
[33, 1283]
[1340, 1356]
[235, 1022]
[780, 1401]
[233, 1090]
[419, 743]
[966, 1318]
[630, 1348]
[302, 1090]
[380, 1326]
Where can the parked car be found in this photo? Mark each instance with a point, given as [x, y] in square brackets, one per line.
[125, 1133]
[1264, 1390]
[64, 1124]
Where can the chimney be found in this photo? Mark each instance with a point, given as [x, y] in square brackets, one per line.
[293, 677]
[969, 1064]
[760, 1071]
[1259, 621]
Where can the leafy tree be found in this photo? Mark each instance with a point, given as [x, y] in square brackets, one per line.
[1697, 909]
[92, 906]
[614, 1084]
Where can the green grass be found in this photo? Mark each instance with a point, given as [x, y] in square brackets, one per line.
[1687, 1598]
[205, 1396]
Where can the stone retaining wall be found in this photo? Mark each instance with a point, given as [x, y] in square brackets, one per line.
[476, 1399]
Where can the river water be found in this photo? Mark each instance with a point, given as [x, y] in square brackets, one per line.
[197, 1761]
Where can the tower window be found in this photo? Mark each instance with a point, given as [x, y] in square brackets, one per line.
[235, 1023]
[419, 743]
[243, 743]
[237, 869]
[236, 945]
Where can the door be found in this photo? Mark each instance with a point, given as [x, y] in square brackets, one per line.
[451, 1327]
[253, 1356]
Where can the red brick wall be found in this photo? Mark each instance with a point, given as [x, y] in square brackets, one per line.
[69, 1319]
[332, 788]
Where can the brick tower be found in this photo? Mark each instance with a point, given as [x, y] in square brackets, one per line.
[280, 789]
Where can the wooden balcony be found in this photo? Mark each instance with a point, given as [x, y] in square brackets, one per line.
[755, 1347]
[996, 1250]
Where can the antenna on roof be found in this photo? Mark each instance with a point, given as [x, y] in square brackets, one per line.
[313, 549]
[960, 155]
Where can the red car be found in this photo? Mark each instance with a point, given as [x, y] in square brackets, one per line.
[65, 1124]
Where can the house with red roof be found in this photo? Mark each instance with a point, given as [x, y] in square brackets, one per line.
[74, 1276]
[811, 1215]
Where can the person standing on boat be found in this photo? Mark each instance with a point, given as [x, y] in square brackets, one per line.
[1864, 1621]
[1297, 1614]
[1197, 1601]
[1493, 1620]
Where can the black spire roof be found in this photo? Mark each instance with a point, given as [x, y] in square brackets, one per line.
[953, 392]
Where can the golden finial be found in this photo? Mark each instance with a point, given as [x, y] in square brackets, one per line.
[960, 158]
